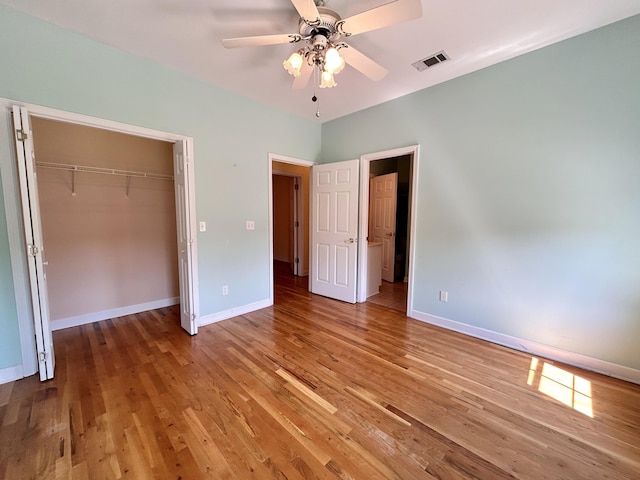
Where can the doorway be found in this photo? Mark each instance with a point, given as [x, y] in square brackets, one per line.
[108, 217]
[28, 267]
[396, 170]
[289, 218]
[403, 162]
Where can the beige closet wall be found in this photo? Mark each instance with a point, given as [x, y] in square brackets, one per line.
[105, 250]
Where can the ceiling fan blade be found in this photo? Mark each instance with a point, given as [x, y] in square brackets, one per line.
[391, 13]
[307, 9]
[363, 64]
[302, 81]
[259, 40]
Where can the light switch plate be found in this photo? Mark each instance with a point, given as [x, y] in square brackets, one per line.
[203, 226]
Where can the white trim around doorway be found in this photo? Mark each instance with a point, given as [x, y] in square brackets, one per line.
[11, 193]
[274, 157]
[365, 160]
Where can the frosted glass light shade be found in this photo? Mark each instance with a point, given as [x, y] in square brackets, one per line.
[293, 64]
[333, 62]
[327, 80]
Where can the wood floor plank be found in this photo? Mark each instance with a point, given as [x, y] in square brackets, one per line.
[311, 388]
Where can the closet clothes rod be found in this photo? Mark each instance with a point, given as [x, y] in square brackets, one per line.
[103, 171]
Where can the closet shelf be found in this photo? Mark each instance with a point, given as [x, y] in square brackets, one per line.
[103, 171]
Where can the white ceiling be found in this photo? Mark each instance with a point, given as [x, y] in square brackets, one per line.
[185, 35]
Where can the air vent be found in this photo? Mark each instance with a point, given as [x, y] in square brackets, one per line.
[432, 61]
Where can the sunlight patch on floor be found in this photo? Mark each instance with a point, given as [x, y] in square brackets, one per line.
[563, 386]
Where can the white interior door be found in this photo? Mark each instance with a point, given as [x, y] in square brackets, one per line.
[382, 220]
[183, 178]
[34, 244]
[334, 230]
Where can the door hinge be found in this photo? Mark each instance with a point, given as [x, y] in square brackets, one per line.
[21, 135]
[42, 356]
[296, 186]
[296, 224]
[296, 260]
[32, 250]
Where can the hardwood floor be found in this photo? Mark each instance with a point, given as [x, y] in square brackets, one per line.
[310, 388]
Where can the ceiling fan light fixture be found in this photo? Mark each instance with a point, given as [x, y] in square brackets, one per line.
[293, 64]
[320, 30]
[333, 61]
[327, 80]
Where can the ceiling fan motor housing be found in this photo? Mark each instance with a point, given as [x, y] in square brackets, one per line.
[325, 25]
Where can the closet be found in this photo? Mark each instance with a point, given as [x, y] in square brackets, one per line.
[108, 220]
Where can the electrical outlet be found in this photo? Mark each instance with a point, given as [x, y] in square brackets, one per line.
[251, 225]
[444, 296]
[225, 290]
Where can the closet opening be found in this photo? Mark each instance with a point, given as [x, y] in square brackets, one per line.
[108, 216]
[24, 222]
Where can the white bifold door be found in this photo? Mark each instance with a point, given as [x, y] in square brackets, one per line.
[33, 241]
[183, 178]
[334, 230]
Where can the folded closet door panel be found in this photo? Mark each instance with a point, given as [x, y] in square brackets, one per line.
[34, 243]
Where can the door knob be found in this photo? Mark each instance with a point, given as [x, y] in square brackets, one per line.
[351, 240]
[389, 234]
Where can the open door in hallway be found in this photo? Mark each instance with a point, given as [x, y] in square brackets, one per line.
[382, 220]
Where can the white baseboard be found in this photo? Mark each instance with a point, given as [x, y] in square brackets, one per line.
[576, 359]
[234, 312]
[116, 312]
[10, 374]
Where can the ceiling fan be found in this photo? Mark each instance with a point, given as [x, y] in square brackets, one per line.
[320, 34]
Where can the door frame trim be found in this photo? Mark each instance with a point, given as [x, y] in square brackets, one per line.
[365, 160]
[274, 157]
[13, 210]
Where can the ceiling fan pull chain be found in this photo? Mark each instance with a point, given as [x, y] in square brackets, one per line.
[315, 99]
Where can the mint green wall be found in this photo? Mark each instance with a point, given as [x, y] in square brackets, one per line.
[232, 135]
[9, 335]
[528, 211]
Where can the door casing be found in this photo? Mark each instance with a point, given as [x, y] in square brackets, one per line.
[365, 160]
[13, 212]
[274, 157]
